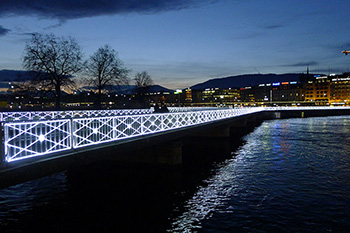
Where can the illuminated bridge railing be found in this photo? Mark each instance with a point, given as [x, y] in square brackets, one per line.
[38, 138]
[306, 108]
[50, 115]
[191, 109]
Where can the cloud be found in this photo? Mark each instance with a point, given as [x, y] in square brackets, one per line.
[59, 24]
[4, 31]
[71, 9]
[302, 64]
[274, 26]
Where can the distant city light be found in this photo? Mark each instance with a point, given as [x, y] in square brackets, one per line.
[341, 79]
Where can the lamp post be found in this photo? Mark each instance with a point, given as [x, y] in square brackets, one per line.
[271, 96]
[178, 92]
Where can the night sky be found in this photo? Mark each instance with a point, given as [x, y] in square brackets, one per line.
[181, 43]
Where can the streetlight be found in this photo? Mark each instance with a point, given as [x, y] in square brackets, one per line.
[271, 96]
[178, 92]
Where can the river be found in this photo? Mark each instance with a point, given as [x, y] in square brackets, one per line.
[290, 175]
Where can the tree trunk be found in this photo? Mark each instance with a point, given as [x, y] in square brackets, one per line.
[99, 98]
[58, 97]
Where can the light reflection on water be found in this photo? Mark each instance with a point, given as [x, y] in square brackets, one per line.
[291, 175]
[19, 199]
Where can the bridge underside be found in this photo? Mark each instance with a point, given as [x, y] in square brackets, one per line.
[163, 148]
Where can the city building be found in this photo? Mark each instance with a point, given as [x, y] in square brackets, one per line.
[247, 94]
[340, 89]
[317, 91]
[188, 98]
[279, 92]
[288, 92]
[208, 94]
[263, 93]
[216, 95]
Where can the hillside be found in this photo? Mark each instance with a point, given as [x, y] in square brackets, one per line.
[245, 80]
[13, 75]
[130, 89]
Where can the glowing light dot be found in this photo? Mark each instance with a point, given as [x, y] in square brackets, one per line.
[41, 138]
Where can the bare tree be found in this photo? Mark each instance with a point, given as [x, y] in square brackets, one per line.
[55, 60]
[104, 69]
[143, 81]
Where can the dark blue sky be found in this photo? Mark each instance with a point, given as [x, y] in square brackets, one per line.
[181, 43]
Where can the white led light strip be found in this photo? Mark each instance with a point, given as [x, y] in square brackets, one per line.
[191, 109]
[50, 115]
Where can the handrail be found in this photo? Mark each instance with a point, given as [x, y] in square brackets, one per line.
[50, 115]
[191, 109]
[306, 108]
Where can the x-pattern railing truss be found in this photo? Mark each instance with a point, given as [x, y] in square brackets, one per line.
[88, 131]
[30, 139]
[35, 138]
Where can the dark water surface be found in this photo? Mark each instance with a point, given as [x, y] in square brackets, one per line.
[286, 176]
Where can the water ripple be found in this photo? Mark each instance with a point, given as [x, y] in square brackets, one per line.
[291, 176]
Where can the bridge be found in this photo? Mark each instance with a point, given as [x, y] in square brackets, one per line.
[36, 144]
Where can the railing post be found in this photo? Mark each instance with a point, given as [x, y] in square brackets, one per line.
[2, 145]
[177, 120]
[114, 127]
[161, 122]
[72, 143]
